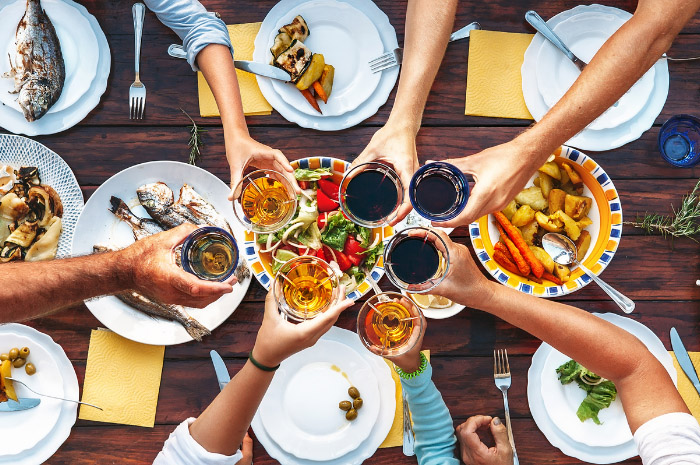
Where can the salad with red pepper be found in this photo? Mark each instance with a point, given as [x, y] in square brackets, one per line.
[320, 228]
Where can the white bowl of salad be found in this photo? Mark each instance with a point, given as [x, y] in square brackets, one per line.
[319, 228]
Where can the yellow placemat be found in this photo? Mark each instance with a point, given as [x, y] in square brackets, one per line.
[123, 378]
[494, 83]
[685, 387]
[242, 39]
[395, 436]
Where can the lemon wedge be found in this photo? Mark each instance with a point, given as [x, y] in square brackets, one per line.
[422, 300]
[440, 302]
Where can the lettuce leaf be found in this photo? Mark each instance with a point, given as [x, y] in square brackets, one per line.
[364, 235]
[356, 273]
[600, 397]
[311, 237]
[372, 255]
[302, 174]
[336, 232]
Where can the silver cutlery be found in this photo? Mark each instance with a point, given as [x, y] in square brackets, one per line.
[501, 376]
[222, 375]
[408, 435]
[563, 251]
[51, 397]
[541, 26]
[684, 359]
[393, 58]
[137, 91]
[23, 403]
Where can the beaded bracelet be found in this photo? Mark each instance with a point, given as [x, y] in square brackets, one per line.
[418, 372]
[260, 365]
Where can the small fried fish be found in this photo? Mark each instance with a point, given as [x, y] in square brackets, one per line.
[142, 227]
[158, 200]
[201, 208]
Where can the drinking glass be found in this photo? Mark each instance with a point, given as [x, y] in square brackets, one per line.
[416, 260]
[210, 253]
[439, 191]
[267, 201]
[305, 286]
[371, 194]
[390, 324]
[679, 140]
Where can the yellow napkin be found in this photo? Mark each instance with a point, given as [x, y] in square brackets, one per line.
[242, 39]
[122, 377]
[685, 387]
[395, 436]
[494, 83]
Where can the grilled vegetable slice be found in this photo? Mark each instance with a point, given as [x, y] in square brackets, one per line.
[326, 82]
[297, 29]
[294, 60]
[313, 72]
[282, 43]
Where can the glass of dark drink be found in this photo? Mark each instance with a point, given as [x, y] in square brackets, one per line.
[371, 194]
[210, 253]
[439, 191]
[416, 260]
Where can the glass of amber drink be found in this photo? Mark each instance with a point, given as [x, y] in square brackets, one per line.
[305, 287]
[267, 201]
[210, 253]
[390, 324]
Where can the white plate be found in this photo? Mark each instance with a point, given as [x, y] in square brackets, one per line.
[605, 139]
[19, 151]
[78, 46]
[58, 121]
[300, 409]
[348, 40]
[369, 107]
[387, 409]
[38, 432]
[585, 34]
[97, 225]
[539, 409]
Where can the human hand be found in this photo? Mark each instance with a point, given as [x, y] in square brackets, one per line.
[395, 146]
[246, 451]
[410, 361]
[500, 173]
[475, 452]
[244, 151]
[278, 338]
[150, 269]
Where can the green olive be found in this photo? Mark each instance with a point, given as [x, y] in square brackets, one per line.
[357, 403]
[24, 352]
[351, 414]
[4, 357]
[18, 362]
[345, 405]
[14, 353]
[30, 369]
[353, 392]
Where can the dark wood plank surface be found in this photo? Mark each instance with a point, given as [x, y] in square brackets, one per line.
[659, 275]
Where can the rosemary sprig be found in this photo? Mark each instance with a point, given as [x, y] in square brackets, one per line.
[195, 142]
[684, 222]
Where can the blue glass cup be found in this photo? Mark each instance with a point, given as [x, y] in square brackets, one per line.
[439, 191]
[679, 141]
[210, 253]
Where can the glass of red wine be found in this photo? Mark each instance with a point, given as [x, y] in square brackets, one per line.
[416, 260]
[371, 194]
[439, 191]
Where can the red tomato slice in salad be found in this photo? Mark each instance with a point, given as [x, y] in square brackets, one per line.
[329, 188]
[304, 184]
[325, 203]
[354, 250]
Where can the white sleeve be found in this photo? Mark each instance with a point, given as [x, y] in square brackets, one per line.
[670, 439]
[182, 449]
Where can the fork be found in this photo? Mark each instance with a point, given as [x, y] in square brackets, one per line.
[408, 435]
[15, 380]
[501, 376]
[137, 91]
[393, 58]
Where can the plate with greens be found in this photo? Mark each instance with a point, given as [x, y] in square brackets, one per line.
[319, 228]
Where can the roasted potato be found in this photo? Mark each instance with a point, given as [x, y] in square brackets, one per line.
[582, 244]
[584, 222]
[528, 231]
[548, 223]
[577, 207]
[570, 227]
[543, 257]
[556, 199]
[552, 169]
[532, 196]
[562, 272]
[523, 216]
[313, 72]
[546, 184]
[326, 81]
[564, 178]
[510, 209]
[573, 175]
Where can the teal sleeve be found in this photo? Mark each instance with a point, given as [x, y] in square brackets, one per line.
[432, 423]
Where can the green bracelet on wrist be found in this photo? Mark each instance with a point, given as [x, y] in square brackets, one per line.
[423, 365]
[260, 365]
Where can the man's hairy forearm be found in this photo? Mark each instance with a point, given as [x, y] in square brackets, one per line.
[30, 290]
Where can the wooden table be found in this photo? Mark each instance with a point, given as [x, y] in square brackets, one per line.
[659, 275]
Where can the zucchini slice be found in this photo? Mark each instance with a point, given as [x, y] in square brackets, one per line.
[282, 43]
[297, 29]
[294, 60]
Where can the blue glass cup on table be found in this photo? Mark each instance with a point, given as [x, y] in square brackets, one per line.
[679, 141]
[210, 253]
[439, 191]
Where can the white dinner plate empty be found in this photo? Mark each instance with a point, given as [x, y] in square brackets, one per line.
[300, 409]
[97, 225]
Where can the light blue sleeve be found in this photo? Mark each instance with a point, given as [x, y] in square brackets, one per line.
[193, 24]
[432, 423]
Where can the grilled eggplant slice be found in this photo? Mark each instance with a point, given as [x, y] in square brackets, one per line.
[312, 73]
[297, 29]
[282, 43]
[295, 59]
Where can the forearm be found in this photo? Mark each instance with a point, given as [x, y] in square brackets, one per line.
[428, 29]
[34, 289]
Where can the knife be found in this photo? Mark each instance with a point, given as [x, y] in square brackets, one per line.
[464, 32]
[177, 51]
[684, 359]
[222, 375]
[24, 403]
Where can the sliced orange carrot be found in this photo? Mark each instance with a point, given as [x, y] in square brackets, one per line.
[310, 98]
[551, 277]
[320, 91]
[523, 267]
[514, 234]
[503, 260]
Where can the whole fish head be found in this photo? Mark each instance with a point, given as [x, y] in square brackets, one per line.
[35, 98]
[156, 196]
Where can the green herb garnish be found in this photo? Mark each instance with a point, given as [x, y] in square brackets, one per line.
[195, 141]
[600, 392]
